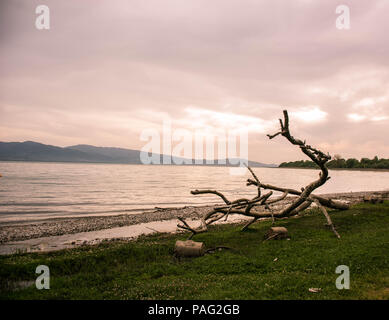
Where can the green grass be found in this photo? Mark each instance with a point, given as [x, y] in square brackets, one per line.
[146, 268]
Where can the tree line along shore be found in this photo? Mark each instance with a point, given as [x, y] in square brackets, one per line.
[340, 163]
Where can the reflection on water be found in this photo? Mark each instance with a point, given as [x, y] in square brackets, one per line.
[29, 190]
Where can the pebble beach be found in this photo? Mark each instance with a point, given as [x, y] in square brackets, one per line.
[63, 226]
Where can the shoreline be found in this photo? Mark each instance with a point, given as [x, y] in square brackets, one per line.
[339, 169]
[25, 230]
[66, 226]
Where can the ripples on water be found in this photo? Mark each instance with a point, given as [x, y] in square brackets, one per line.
[31, 190]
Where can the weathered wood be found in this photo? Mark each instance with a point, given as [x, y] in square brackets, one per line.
[329, 221]
[189, 248]
[246, 207]
[276, 233]
[372, 199]
[329, 203]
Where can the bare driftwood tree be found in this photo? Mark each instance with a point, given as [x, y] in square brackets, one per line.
[262, 205]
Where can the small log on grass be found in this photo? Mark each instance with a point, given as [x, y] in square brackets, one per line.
[189, 248]
[372, 199]
[276, 233]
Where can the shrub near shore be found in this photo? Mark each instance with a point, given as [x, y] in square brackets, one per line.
[339, 163]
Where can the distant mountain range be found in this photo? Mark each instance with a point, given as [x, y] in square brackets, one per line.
[34, 151]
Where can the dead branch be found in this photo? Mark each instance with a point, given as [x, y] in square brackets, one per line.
[329, 221]
[260, 206]
[329, 203]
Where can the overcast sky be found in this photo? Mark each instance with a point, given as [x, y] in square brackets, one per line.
[106, 70]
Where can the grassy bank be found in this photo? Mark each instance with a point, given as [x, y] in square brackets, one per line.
[278, 269]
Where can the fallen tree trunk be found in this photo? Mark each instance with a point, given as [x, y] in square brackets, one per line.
[329, 203]
[245, 206]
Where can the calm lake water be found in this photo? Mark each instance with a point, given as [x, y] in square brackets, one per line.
[34, 190]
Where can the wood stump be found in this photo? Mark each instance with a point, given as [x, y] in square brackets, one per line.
[189, 248]
[372, 199]
[276, 233]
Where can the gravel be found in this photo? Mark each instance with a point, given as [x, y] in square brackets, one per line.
[60, 226]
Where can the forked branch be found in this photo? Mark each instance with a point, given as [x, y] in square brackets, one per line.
[260, 206]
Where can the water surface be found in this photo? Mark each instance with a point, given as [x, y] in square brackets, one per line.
[36, 190]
